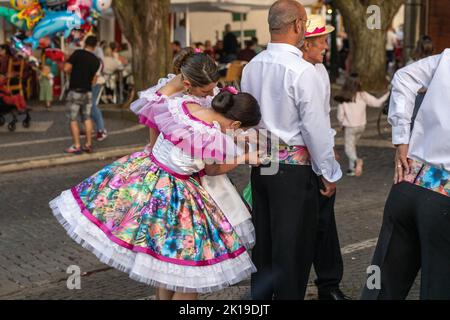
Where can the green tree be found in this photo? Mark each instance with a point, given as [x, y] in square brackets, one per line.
[368, 46]
[145, 24]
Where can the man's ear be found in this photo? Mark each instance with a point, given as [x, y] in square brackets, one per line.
[306, 45]
[298, 26]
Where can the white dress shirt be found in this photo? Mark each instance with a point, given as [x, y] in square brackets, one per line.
[325, 80]
[430, 139]
[290, 93]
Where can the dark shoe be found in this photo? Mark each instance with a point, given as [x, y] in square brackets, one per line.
[334, 294]
[73, 150]
[102, 135]
[87, 149]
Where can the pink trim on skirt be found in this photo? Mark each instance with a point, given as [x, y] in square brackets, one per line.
[133, 248]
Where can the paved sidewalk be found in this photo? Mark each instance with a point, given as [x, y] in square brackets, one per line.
[43, 144]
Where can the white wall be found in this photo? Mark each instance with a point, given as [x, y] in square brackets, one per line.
[399, 19]
[205, 25]
[107, 26]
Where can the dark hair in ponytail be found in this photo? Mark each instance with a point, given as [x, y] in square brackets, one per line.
[199, 68]
[241, 107]
[350, 89]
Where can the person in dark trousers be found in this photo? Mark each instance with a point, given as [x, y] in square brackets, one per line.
[286, 204]
[230, 45]
[83, 66]
[415, 234]
[328, 262]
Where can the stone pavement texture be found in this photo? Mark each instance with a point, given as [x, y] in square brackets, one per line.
[35, 251]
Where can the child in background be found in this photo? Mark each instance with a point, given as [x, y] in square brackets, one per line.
[46, 86]
[352, 115]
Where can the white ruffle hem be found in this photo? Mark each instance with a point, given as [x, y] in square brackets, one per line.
[143, 267]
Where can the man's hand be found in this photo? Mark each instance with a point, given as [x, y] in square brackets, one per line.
[402, 166]
[330, 188]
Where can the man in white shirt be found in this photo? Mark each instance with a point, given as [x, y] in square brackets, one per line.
[328, 262]
[415, 234]
[285, 205]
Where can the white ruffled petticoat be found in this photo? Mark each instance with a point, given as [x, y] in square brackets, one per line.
[143, 267]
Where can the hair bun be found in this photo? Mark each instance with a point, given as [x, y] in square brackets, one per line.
[223, 102]
[181, 57]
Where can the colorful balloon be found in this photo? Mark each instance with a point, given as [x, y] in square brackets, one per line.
[32, 14]
[20, 48]
[80, 7]
[22, 4]
[10, 16]
[101, 5]
[53, 23]
[45, 42]
[55, 55]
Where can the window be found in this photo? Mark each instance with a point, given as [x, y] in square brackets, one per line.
[237, 17]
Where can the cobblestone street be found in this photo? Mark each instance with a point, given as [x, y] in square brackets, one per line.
[35, 250]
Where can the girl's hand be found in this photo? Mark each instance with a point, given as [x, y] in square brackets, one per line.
[254, 158]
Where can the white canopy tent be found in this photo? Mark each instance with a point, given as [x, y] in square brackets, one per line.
[236, 6]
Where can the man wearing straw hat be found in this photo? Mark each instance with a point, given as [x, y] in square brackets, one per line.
[328, 262]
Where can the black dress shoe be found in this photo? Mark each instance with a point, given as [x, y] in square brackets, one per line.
[334, 294]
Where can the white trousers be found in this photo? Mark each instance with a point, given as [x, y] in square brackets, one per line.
[352, 136]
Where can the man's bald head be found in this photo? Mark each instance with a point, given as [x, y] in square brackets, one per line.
[283, 13]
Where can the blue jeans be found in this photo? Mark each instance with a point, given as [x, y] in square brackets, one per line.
[96, 112]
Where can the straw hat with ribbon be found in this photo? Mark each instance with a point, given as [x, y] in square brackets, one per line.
[318, 27]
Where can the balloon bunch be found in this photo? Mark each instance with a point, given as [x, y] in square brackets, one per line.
[47, 18]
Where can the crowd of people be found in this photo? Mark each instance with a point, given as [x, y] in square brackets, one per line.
[226, 50]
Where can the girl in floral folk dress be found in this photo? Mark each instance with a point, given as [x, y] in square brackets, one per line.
[147, 215]
[185, 84]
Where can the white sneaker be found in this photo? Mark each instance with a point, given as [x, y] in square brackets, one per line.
[102, 135]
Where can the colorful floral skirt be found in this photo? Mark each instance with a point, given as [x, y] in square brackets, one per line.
[161, 230]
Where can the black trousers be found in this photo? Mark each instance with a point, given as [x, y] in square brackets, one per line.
[328, 262]
[285, 215]
[415, 235]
